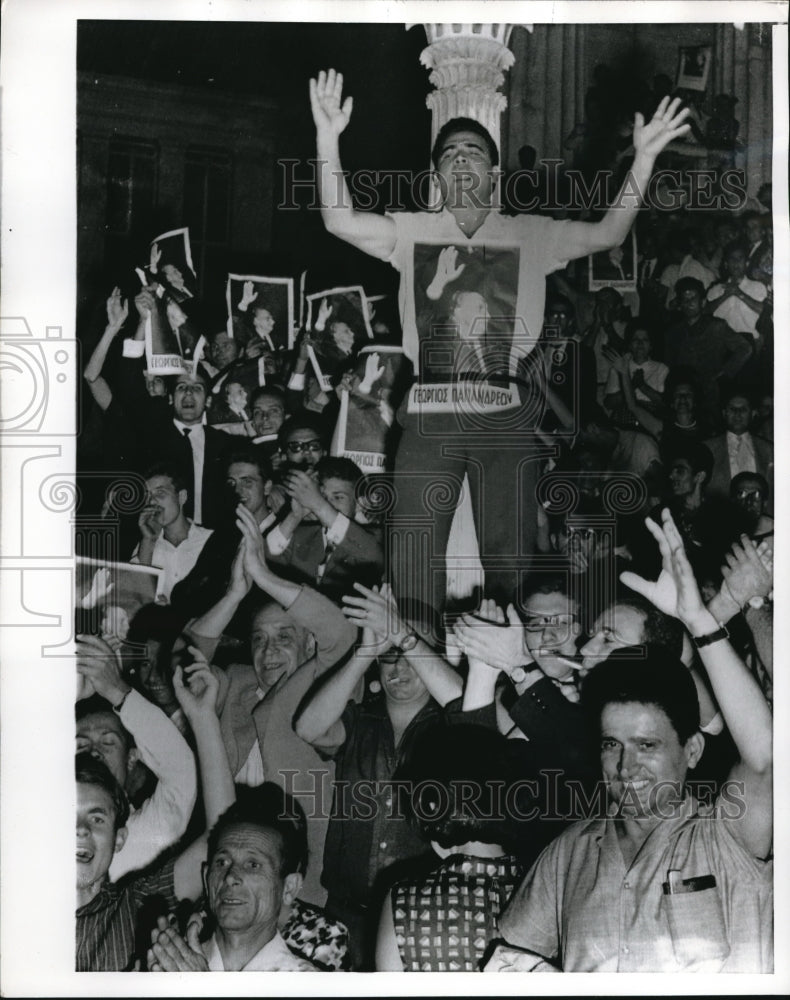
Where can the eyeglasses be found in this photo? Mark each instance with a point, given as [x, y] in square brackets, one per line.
[297, 447]
[540, 622]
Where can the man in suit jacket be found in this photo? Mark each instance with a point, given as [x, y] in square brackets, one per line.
[737, 449]
[319, 540]
[295, 638]
[177, 433]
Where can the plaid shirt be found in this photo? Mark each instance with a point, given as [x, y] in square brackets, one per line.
[106, 926]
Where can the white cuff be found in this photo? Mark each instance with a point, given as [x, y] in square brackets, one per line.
[276, 541]
[296, 381]
[133, 348]
[336, 532]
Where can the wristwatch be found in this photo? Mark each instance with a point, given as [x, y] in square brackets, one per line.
[408, 642]
[706, 640]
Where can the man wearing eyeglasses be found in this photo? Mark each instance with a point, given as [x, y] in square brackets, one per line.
[301, 442]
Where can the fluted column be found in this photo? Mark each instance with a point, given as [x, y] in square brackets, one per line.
[467, 65]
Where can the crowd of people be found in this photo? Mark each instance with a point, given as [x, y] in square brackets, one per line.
[314, 750]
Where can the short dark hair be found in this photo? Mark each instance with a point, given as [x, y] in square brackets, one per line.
[338, 467]
[96, 705]
[697, 454]
[89, 770]
[250, 455]
[300, 422]
[734, 391]
[446, 764]
[659, 629]
[736, 246]
[464, 125]
[652, 676]
[745, 477]
[172, 470]
[269, 390]
[547, 583]
[560, 300]
[689, 285]
[270, 808]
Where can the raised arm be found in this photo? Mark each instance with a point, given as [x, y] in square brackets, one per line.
[117, 311]
[649, 140]
[196, 689]
[374, 234]
[378, 610]
[740, 699]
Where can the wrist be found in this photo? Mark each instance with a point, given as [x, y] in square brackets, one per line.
[118, 696]
[723, 605]
[700, 623]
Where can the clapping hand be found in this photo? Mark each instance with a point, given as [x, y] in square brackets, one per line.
[746, 575]
[373, 372]
[169, 952]
[375, 609]
[492, 637]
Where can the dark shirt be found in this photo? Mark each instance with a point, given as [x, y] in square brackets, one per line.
[712, 349]
[369, 829]
[106, 927]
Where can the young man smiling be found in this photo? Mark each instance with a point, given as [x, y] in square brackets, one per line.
[469, 246]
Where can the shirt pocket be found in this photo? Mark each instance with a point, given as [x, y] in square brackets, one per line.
[697, 929]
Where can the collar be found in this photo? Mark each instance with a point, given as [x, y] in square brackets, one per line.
[181, 425]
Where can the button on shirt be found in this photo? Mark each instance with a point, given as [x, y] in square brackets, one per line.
[584, 909]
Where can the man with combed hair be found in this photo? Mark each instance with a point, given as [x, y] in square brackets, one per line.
[498, 267]
[660, 884]
[256, 859]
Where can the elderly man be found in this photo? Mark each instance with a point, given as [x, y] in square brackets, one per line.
[295, 636]
[470, 247]
[256, 859]
[659, 884]
[118, 726]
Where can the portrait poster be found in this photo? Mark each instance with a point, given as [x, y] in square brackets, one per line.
[261, 308]
[615, 268]
[694, 63]
[109, 594]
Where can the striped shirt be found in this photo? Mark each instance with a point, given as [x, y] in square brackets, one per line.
[106, 926]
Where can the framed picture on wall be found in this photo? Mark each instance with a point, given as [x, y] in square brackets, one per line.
[693, 66]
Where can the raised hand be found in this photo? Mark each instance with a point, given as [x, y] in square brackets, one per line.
[101, 588]
[248, 295]
[117, 310]
[303, 488]
[746, 576]
[156, 256]
[252, 543]
[144, 302]
[324, 312]
[447, 270]
[493, 638]
[665, 126]
[196, 687]
[326, 92]
[169, 952]
[240, 580]
[375, 609]
[148, 523]
[373, 372]
[675, 592]
[98, 664]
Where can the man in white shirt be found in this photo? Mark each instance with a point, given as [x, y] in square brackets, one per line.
[121, 727]
[257, 856]
[169, 540]
[739, 302]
